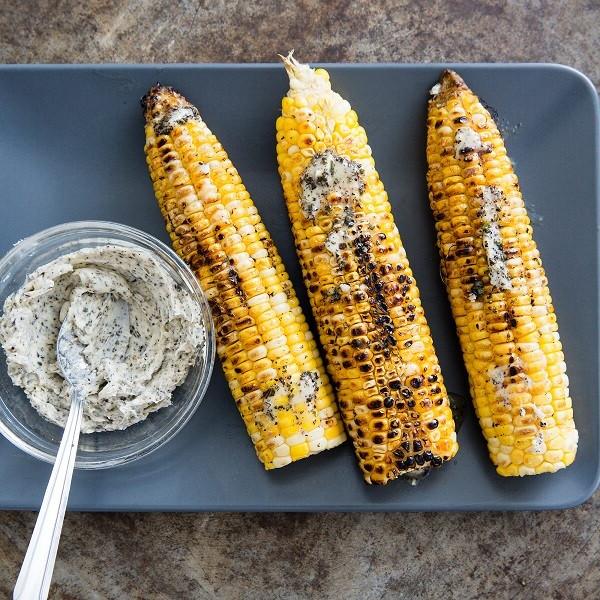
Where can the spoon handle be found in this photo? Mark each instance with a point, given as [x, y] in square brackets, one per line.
[35, 576]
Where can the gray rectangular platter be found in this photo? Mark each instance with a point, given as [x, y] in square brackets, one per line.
[71, 148]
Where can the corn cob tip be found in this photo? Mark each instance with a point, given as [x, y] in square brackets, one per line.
[146, 97]
[304, 77]
[451, 79]
[164, 107]
[290, 63]
[450, 83]
[151, 97]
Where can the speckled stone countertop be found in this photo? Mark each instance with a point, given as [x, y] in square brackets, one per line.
[293, 556]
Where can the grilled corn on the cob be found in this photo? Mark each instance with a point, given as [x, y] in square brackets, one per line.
[362, 291]
[269, 356]
[497, 288]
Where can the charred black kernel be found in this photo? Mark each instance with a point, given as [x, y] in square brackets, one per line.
[411, 307]
[388, 402]
[411, 404]
[406, 392]
[399, 405]
[395, 384]
[368, 467]
[378, 439]
[347, 364]
[436, 461]
[461, 119]
[438, 124]
[416, 382]
[433, 424]
[392, 434]
[432, 378]
[420, 460]
[408, 343]
[394, 423]
[363, 454]
[358, 330]
[513, 322]
[406, 446]
[398, 452]
[378, 425]
[365, 368]
[360, 433]
[417, 446]
[427, 455]
[409, 462]
[374, 404]
[379, 469]
[436, 390]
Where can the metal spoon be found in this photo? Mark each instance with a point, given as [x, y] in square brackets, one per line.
[35, 576]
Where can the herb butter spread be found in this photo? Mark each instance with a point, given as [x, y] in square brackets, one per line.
[467, 141]
[330, 179]
[134, 369]
[492, 238]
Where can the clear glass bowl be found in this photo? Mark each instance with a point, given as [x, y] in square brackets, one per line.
[19, 421]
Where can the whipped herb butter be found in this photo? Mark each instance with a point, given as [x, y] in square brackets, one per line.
[134, 368]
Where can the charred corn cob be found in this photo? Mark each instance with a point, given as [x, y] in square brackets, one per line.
[362, 291]
[269, 356]
[497, 288]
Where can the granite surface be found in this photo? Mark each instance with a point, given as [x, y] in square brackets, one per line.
[367, 556]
